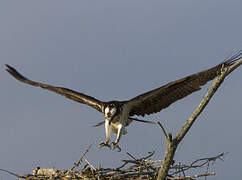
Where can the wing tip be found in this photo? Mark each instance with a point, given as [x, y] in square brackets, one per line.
[15, 73]
[231, 60]
[9, 68]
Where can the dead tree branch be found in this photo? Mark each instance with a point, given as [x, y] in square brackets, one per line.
[172, 144]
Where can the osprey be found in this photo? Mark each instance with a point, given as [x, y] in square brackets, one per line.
[118, 114]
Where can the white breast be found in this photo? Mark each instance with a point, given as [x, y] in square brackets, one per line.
[121, 119]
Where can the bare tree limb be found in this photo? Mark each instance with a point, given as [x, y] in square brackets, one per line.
[216, 84]
[172, 144]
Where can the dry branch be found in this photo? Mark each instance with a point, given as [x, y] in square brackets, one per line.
[172, 144]
[76, 164]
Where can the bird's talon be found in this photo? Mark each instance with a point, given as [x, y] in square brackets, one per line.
[116, 146]
[102, 144]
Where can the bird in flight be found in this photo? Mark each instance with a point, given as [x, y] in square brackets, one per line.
[118, 114]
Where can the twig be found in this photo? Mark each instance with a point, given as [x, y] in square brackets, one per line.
[14, 174]
[191, 177]
[90, 165]
[76, 164]
[209, 159]
[195, 164]
[163, 130]
[135, 161]
[131, 156]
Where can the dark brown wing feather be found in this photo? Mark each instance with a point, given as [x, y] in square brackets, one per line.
[76, 96]
[160, 98]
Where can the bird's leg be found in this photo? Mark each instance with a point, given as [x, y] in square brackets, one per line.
[115, 144]
[107, 132]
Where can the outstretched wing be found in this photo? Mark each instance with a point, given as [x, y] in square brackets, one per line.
[160, 98]
[76, 96]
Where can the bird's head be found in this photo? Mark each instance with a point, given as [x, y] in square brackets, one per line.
[111, 110]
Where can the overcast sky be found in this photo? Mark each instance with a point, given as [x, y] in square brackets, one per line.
[115, 50]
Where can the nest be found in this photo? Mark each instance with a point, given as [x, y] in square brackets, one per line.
[132, 169]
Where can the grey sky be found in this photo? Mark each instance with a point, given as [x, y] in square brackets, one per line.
[115, 50]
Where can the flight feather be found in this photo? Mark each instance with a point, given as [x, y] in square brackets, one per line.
[160, 98]
[76, 96]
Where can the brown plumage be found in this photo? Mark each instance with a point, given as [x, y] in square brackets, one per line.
[118, 113]
[144, 104]
[76, 96]
[160, 98]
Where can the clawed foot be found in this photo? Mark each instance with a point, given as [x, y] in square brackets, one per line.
[104, 143]
[116, 146]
